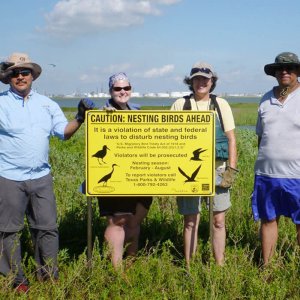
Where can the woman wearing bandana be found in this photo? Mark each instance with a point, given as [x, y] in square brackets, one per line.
[124, 214]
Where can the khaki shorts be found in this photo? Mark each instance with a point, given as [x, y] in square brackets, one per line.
[189, 205]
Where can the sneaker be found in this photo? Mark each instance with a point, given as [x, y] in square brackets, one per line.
[22, 288]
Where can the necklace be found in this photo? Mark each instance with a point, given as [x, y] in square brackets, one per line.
[207, 108]
[285, 91]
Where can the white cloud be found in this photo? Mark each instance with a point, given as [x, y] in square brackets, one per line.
[230, 76]
[70, 18]
[83, 77]
[158, 72]
[96, 72]
[167, 2]
[117, 68]
[178, 79]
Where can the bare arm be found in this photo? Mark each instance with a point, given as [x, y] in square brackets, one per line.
[83, 106]
[71, 128]
[232, 160]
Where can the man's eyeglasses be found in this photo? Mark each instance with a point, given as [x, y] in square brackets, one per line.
[202, 70]
[120, 88]
[24, 72]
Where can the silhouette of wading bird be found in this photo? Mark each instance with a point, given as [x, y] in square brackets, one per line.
[197, 153]
[101, 154]
[106, 177]
[191, 178]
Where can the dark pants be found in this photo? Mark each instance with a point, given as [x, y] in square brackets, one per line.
[35, 200]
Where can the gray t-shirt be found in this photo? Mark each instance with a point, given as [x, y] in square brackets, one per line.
[278, 126]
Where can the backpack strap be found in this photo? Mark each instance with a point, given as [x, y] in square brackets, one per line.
[214, 105]
[187, 104]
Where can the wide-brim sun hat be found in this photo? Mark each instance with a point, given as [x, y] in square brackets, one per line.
[287, 59]
[202, 69]
[22, 60]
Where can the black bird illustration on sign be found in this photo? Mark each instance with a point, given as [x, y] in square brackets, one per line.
[191, 178]
[197, 153]
[101, 154]
[106, 177]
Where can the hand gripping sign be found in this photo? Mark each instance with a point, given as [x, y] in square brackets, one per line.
[150, 153]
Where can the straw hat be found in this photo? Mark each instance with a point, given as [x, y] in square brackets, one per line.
[22, 60]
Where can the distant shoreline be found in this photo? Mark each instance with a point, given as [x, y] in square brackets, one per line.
[152, 98]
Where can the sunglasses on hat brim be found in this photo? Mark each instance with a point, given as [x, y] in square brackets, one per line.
[201, 70]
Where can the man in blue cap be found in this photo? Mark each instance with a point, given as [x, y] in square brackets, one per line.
[27, 121]
[277, 168]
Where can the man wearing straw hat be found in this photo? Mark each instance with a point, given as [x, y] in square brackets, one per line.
[277, 168]
[27, 121]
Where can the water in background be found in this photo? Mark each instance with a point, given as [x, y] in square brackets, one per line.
[162, 102]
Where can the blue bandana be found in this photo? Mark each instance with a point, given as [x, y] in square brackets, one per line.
[117, 77]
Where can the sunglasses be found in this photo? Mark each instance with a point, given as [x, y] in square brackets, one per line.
[202, 70]
[16, 73]
[286, 68]
[120, 88]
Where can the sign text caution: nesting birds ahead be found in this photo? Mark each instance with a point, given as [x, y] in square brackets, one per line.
[150, 153]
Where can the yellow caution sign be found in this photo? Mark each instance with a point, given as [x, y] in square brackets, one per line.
[150, 153]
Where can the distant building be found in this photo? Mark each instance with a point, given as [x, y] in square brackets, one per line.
[150, 95]
[163, 95]
[179, 94]
[135, 94]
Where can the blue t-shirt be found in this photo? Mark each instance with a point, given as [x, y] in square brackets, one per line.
[25, 130]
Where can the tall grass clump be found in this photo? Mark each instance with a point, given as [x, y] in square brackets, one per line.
[245, 114]
[158, 272]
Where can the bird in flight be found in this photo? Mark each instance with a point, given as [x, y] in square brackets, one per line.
[53, 65]
[191, 178]
[106, 177]
[101, 154]
[196, 154]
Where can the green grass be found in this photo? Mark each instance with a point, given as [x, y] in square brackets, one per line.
[245, 114]
[159, 272]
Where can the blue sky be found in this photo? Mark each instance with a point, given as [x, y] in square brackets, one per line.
[155, 42]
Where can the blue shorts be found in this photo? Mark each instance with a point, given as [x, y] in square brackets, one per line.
[274, 197]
